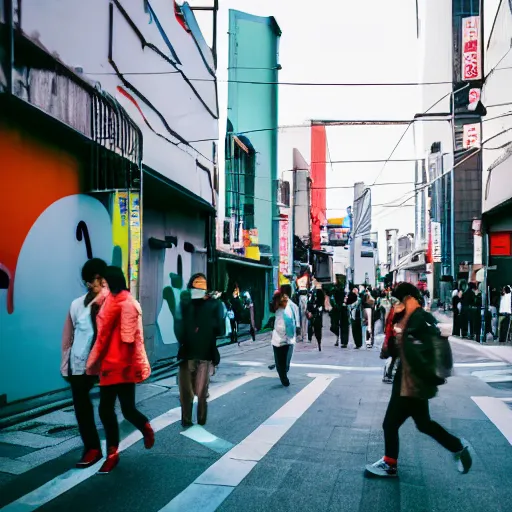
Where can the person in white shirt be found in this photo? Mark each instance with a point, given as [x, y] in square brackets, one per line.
[286, 327]
[77, 341]
[505, 312]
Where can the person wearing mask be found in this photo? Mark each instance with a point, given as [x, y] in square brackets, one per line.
[415, 384]
[78, 339]
[505, 312]
[367, 304]
[467, 311]
[354, 307]
[286, 328]
[315, 315]
[119, 356]
[200, 325]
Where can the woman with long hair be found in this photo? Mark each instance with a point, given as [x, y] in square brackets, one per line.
[77, 341]
[120, 358]
[286, 327]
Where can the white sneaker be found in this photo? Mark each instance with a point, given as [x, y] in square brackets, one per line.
[463, 459]
[383, 469]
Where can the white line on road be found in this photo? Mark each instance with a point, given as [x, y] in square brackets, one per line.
[498, 412]
[363, 368]
[200, 435]
[211, 488]
[63, 483]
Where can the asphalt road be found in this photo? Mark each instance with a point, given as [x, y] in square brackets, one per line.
[269, 448]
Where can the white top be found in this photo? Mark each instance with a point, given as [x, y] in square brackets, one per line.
[506, 303]
[83, 335]
[287, 317]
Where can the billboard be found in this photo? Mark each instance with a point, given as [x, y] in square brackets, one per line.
[436, 242]
[339, 229]
[284, 249]
[471, 53]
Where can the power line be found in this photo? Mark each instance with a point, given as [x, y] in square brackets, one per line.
[257, 82]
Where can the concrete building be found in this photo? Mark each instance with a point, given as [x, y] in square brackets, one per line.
[112, 149]
[250, 219]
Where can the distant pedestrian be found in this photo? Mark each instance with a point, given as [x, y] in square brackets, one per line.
[456, 310]
[286, 328]
[505, 313]
[354, 307]
[201, 324]
[77, 341]
[416, 382]
[389, 350]
[120, 358]
[315, 316]
[468, 303]
[340, 323]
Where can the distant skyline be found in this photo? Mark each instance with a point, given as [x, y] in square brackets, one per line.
[342, 41]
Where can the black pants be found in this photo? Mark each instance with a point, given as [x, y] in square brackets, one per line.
[456, 323]
[315, 327]
[466, 319]
[400, 409]
[126, 395]
[357, 332]
[340, 325]
[281, 360]
[504, 326]
[81, 386]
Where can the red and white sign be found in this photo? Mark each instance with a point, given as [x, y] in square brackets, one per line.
[474, 96]
[471, 60]
[471, 136]
[284, 260]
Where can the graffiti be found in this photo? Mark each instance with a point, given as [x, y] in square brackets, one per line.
[82, 233]
[177, 272]
[48, 265]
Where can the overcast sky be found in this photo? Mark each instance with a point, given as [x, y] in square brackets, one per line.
[343, 41]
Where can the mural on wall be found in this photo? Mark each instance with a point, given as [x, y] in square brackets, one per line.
[48, 267]
[48, 231]
[177, 272]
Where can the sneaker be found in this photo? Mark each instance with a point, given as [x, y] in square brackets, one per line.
[89, 458]
[463, 460]
[149, 436]
[271, 366]
[382, 468]
[110, 463]
[387, 380]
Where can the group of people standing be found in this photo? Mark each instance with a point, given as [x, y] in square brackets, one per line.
[103, 342]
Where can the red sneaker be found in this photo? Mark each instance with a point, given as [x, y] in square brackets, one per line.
[111, 462]
[149, 436]
[89, 458]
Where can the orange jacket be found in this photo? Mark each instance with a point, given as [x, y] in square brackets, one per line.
[119, 353]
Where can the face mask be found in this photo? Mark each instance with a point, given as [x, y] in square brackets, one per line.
[197, 294]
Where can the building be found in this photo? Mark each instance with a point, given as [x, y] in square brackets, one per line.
[112, 140]
[497, 145]
[250, 219]
[447, 135]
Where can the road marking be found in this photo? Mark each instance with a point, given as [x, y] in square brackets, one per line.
[481, 365]
[63, 483]
[498, 412]
[30, 440]
[200, 435]
[211, 488]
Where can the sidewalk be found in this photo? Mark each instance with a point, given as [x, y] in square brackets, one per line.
[501, 351]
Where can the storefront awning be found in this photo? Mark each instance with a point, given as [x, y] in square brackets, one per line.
[239, 260]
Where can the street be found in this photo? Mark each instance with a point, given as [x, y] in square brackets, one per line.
[266, 447]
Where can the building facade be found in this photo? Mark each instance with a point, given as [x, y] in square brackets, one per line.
[250, 221]
[497, 148]
[123, 160]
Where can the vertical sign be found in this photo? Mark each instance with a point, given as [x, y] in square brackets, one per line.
[477, 242]
[471, 62]
[436, 242]
[471, 136]
[283, 245]
[135, 241]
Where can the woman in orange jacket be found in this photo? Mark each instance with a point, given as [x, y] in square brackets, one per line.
[120, 359]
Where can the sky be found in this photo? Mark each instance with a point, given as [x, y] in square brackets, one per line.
[343, 41]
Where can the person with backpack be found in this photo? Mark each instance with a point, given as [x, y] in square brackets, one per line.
[425, 362]
[315, 311]
[286, 328]
[201, 323]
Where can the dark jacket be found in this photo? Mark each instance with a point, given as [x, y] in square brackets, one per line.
[468, 299]
[417, 357]
[201, 323]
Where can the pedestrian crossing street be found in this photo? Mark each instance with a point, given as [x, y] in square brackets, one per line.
[230, 462]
